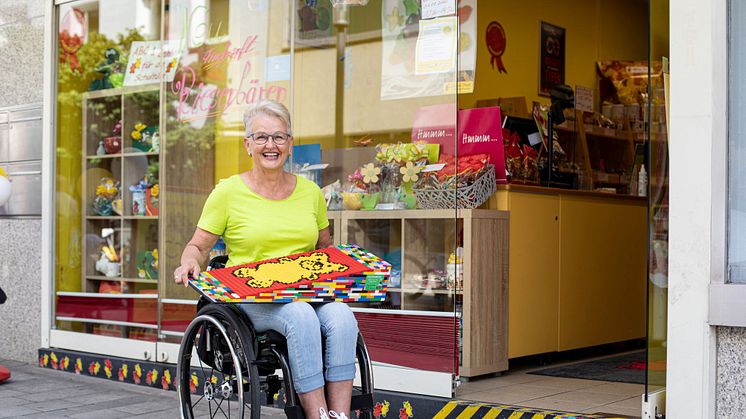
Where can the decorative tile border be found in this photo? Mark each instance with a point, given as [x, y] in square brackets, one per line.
[130, 371]
[388, 405]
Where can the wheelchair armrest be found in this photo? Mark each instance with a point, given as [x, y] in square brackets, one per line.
[217, 262]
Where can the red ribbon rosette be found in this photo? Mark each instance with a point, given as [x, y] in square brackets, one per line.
[496, 45]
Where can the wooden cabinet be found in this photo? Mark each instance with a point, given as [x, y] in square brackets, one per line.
[577, 268]
[419, 244]
[534, 287]
[601, 270]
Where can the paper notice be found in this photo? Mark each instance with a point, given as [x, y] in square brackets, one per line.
[436, 46]
[436, 8]
[584, 98]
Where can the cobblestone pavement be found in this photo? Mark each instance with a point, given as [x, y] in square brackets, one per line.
[34, 392]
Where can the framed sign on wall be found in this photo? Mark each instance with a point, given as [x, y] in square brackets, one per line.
[551, 58]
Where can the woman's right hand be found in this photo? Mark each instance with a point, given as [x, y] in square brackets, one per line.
[188, 268]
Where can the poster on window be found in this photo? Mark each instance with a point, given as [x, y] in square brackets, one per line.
[552, 57]
[419, 55]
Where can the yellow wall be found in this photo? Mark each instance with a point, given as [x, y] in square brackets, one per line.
[595, 30]
[659, 29]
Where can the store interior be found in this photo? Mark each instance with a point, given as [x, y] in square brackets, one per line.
[547, 291]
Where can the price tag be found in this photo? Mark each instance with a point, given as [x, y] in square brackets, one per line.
[433, 167]
[534, 138]
[372, 282]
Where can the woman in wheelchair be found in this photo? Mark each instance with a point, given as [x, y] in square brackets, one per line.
[264, 213]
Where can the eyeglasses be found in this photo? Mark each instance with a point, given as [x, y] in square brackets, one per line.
[261, 138]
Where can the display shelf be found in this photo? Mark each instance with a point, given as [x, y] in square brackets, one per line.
[419, 242]
[140, 154]
[104, 156]
[605, 133]
[130, 234]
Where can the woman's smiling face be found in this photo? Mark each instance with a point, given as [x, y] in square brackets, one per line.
[270, 155]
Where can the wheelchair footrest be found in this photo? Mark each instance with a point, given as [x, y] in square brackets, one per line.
[361, 402]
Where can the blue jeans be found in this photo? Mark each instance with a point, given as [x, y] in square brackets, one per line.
[303, 324]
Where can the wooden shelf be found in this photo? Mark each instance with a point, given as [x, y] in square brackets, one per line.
[599, 132]
[425, 238]
[102, 109]
[105, 156]
[141, 153]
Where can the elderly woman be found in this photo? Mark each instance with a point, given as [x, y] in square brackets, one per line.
[265, 213]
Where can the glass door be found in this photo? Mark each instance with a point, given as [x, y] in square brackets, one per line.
[658, 110]
[370, 79]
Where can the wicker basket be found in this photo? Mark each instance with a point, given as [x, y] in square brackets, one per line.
[469, 197]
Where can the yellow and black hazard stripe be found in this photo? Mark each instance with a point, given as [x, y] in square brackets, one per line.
[460, 409]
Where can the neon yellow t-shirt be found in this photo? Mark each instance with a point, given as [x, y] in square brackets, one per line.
[256, 228]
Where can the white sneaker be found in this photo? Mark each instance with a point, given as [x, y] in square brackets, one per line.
[335, 415]
[322, 413]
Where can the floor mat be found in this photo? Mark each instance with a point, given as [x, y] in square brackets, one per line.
[626, 368]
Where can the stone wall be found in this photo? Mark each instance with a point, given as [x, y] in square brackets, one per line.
[21, 75]
[731, 372]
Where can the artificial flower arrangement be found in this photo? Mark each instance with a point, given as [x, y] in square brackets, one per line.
[387, 183]
[145, 138]
[106, 192]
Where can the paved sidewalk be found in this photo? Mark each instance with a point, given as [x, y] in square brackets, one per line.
[34, 392]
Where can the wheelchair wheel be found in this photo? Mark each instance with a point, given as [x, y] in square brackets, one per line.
[217, 352]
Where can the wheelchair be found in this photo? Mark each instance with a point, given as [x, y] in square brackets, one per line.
[236, 367]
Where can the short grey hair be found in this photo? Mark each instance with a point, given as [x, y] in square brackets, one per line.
[267, 108]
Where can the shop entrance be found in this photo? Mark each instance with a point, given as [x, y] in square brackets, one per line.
[515, 177]
[582, 233]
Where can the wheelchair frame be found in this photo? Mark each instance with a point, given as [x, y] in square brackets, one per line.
[258, 355]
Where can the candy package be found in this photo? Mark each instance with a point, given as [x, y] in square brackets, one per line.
[513, 156]
[530, 164]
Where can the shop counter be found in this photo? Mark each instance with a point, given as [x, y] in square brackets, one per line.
[577, 265]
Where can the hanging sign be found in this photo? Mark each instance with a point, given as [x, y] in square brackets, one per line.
[496, 45]
[552, 58]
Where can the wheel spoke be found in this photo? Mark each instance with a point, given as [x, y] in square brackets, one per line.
[198, 400]
[220, 408]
